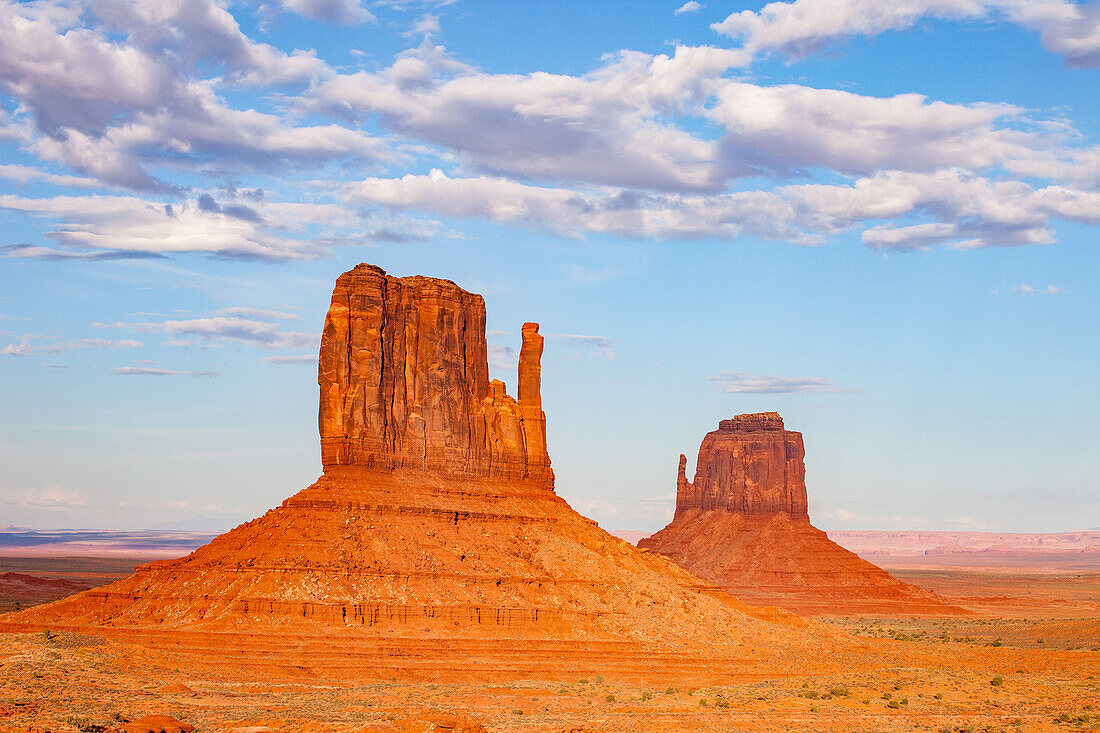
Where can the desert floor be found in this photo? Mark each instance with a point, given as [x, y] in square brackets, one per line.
[1026, 659]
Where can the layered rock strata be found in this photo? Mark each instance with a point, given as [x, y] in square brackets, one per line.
[742, 523]
[433, 545]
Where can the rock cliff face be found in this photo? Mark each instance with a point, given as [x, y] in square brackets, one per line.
[743, 524]
[433, 545]
[405, 383]
[750, 464]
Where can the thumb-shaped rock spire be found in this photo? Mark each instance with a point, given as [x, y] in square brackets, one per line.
[405, 383]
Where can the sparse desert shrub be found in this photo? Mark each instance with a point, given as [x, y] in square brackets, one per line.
[997, 681]
[905, 701]
[583, 680]
[721, 703]
[671, 691]
[703, 703]
[598, 679]
[47, 634]
[647, 695]
[517, 711]
[609, 698]
[893, 704]
[119, 717]
[887, 695]
[938, 696]
[839, 691]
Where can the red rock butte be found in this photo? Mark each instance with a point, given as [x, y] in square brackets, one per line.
[743, 524]
[433, 546]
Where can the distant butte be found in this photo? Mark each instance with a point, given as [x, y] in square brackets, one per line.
[743, 524]
[433, 546]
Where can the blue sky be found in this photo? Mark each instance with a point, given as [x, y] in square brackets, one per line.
[879, 221]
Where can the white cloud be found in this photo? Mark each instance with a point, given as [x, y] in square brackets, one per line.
[293, 359]
[604, 127]
[338, 12]
[225, 328]
[23, 175]
[272, 315]
[691, 6]
[114, 86]
[863, 520]
[502, 357]
[1048, 290]
[103, 227]
[426, 25]
[968, 211]
[766, 384]
[157, 372]
[801, 27]
[48, 498]
[598, 344]
[35, 344]
[967, 523]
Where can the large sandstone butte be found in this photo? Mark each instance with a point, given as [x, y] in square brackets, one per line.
[743, 524]
[433, 545]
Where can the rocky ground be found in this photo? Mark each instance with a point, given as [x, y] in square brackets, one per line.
[68, 682]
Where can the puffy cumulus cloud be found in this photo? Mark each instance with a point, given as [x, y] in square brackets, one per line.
[98, 227]
[604, 127]
[788, 128]
[226, 328]
[678, 124]
[338, 12]
[691, 6]
[123, 224]
[968, 211]
[743, 382]
[801, 27]
[116, 86]
[199, 132]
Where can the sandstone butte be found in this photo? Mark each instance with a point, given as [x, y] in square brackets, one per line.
[433, 546]
[743, 524]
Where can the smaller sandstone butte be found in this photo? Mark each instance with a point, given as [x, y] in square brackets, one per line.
[743, 524]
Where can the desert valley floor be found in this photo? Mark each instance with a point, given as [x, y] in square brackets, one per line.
[1033, 625]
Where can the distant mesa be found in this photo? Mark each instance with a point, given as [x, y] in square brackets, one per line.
[433, 545]
[742, 524]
